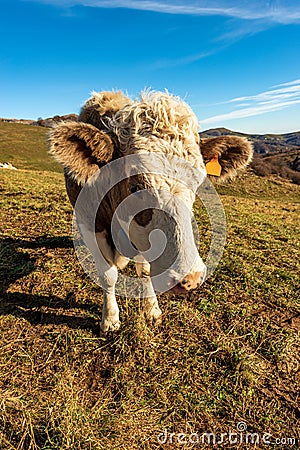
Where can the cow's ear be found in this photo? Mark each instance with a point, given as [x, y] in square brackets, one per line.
[81, 148]
[225, 155]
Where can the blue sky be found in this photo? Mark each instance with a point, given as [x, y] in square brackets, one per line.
[235, 62]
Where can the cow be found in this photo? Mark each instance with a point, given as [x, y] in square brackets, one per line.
[145, 139]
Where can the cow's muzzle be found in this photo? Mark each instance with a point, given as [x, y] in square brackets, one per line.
[189, 282]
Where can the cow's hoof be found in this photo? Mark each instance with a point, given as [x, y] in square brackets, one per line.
[154, 315]
[109, 325]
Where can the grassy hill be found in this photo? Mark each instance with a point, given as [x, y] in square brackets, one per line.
[25, 147]
[227, 353]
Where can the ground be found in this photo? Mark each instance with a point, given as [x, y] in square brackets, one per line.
[226, 354]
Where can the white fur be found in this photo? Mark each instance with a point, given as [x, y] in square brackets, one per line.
[108, 275]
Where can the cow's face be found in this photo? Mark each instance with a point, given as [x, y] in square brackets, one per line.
[160, 191]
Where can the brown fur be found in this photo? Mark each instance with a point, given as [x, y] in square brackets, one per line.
[81, 148]
[233, 153]
[102, 106]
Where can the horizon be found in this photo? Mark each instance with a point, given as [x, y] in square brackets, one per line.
[201, 130]
[234, 63]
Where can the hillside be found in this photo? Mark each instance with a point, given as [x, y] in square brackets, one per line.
[49, 122]
[225, 354]
[286, 165]
[24, 146]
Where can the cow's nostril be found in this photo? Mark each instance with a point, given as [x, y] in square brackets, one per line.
[186, 284]
[191, 281]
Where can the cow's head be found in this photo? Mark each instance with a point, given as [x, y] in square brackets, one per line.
[161, 132]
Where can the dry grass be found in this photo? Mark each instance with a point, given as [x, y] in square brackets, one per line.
[25, 147]
[226, 353]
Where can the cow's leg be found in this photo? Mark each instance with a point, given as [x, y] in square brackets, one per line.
[120, 260]
[110, 311]
[108, 275]
[149, 301]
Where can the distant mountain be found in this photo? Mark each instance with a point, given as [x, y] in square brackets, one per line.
[24, 121]
[49, 122]
[263, 143]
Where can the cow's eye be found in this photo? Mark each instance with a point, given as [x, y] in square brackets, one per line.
[134, 188]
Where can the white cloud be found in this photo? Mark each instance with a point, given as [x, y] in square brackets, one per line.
[289, 91]
[262, 103]
[280, 11]
[290, 83]
[168, 62]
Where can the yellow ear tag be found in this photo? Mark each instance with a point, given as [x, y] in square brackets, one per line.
[213, 167]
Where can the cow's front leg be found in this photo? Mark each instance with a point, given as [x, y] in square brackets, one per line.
[108, 276]
[149, 300]
[103, 256]
[110, 312]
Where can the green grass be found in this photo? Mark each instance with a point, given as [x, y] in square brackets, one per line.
[25, 147]
[226, 353]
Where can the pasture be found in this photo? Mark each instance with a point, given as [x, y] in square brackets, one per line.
[227, 353]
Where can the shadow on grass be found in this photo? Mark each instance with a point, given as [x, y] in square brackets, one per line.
[37, 309]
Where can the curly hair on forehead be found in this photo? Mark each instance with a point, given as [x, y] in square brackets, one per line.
[158, 114]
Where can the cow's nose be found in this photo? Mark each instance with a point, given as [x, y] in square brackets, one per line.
[189, 282]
